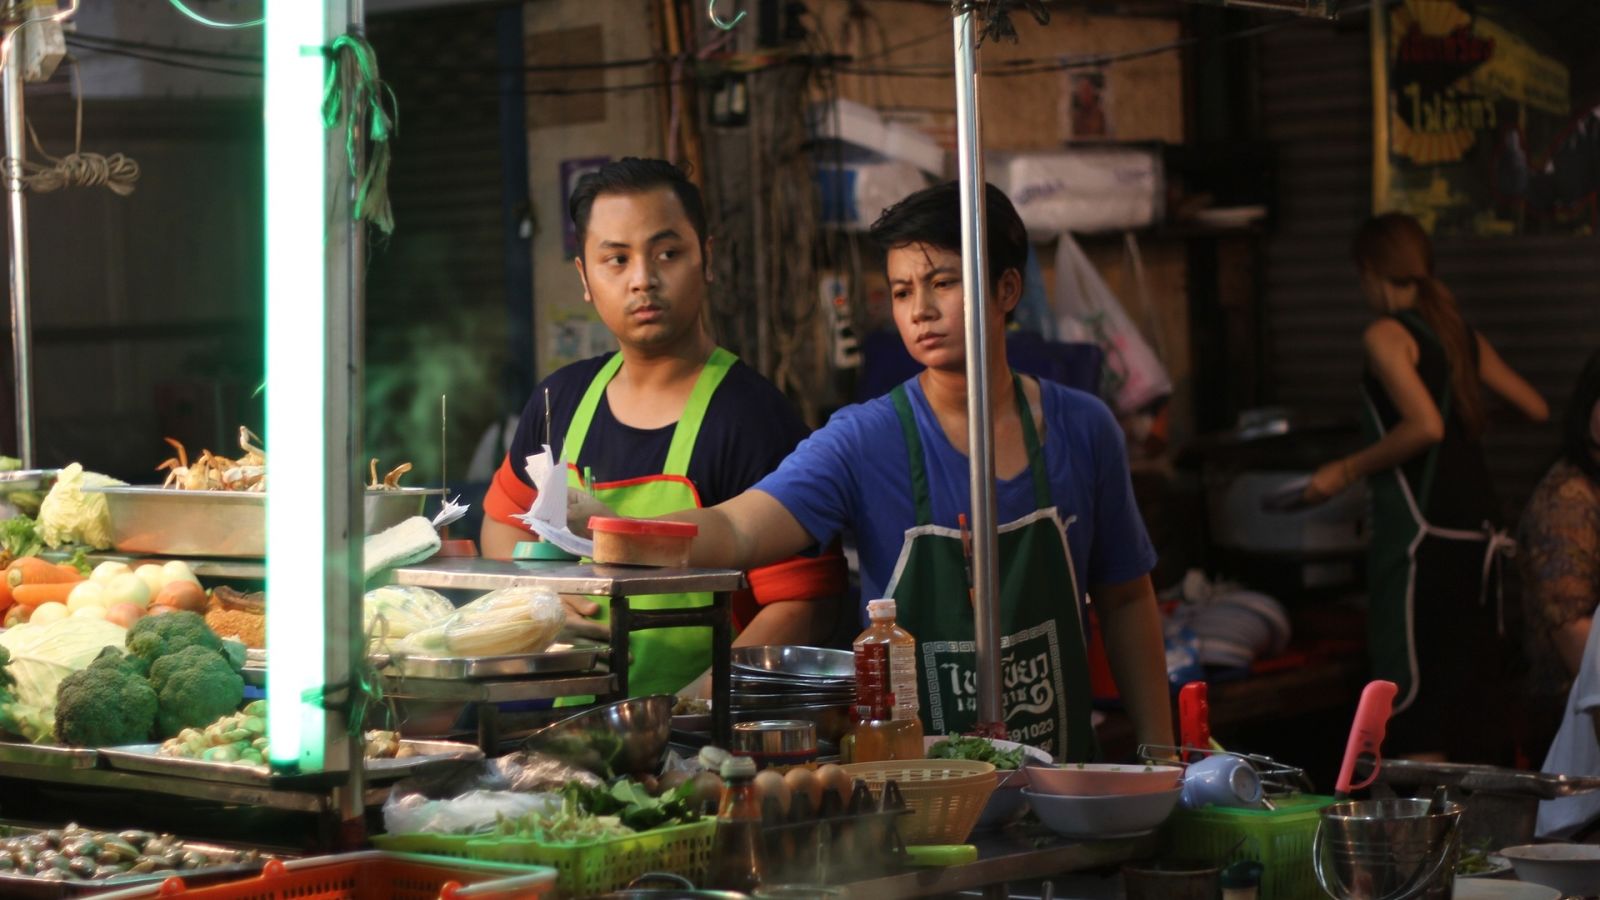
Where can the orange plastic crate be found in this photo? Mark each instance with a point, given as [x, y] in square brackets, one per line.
[372, 875]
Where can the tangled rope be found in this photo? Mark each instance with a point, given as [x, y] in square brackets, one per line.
[116, 172]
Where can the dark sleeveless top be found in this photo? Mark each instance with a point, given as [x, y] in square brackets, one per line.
[1462, 494]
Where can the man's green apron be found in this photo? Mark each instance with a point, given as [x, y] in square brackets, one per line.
[1044, 667]
[664, 659]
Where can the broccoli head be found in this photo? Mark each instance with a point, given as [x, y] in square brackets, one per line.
[7, 680]
[105, 705]
[194, 687]
[171, 632]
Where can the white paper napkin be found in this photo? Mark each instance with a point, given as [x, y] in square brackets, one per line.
[548, 515]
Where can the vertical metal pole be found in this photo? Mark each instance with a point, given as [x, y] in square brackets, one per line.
[980, 428]
[346, 493]
[21, 324]
[1378, 35]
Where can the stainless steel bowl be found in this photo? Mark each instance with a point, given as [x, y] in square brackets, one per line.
[832, 722]
[743, 700]
[776, 742]
[796, 662]
[169, 522]
[622, 738]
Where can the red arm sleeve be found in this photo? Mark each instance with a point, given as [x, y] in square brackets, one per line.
[800, 578]
[508, 497]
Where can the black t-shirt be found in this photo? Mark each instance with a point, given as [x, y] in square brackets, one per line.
[749, 428]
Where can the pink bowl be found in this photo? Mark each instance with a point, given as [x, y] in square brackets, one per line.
[1103, 779]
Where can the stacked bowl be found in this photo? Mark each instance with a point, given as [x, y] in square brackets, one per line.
[810, 684]
[1085, 801]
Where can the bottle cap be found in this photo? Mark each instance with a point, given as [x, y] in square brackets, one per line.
[880, 609]
[739, 767]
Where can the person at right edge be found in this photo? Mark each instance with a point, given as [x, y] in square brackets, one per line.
[1435, 618]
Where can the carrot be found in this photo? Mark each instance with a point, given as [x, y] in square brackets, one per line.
[5, 595]
[33, 570]
[31, 595]
[71, 570]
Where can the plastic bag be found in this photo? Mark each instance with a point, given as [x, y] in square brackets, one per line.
[474, 812]
[405, 609]
[511, 620]
[524, 771]
[1089, 311]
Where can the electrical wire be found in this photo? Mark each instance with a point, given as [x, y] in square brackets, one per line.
[211, 23]
[163, 61]
[199, 53]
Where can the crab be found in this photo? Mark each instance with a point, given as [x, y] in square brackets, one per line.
[211, 472]
[390, 481]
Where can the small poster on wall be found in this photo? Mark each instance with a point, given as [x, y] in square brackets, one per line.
[571, 171]
[573, 333]
[1478, 136]
[1086, 106]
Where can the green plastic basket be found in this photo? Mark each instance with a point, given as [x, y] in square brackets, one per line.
[1280, 839]
[582, 870]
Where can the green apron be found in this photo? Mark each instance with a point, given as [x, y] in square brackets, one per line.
[1044, 667]
[664, 659]
[1421, 578]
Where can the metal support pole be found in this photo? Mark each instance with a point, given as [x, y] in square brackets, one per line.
[21, 324]
[980, 427]
[346, 276]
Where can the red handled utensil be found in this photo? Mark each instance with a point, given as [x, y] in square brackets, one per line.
[1194, 720]
[1366, 735]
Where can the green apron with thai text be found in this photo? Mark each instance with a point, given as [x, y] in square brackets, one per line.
[1044, 667]
[663, 659]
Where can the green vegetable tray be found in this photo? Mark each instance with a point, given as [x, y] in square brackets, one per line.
[1280, 839]
[583, 870]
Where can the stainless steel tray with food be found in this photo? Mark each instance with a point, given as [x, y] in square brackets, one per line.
[48, 756]
[112, 860]
[550, 662]
[169, 522]
[146, 758]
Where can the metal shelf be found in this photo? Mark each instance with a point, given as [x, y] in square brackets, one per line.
[476, 573]
[497, 691]
[565, 578]
[315, 801]
[1002, 858]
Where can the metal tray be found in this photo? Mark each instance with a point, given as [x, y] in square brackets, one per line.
[460, 668]
[550, 662]
[14, 886]
[168, 522]
[48, 755]
[145, 758]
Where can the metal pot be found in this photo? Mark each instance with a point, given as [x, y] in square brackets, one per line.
[677, 888]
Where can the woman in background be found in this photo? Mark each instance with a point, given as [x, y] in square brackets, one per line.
[1559, 555]
[1434, 620]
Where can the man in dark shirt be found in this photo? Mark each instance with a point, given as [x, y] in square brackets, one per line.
[670, 422]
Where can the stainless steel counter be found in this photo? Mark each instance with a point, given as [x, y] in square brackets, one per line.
[565, 578]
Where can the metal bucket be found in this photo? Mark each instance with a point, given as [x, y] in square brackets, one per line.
[1387, 849]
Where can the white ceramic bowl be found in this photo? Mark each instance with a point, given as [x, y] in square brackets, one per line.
[1092, 818]
[1569, 868]
[1103, 779]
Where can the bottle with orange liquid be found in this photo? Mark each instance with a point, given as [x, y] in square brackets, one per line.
[887, 726]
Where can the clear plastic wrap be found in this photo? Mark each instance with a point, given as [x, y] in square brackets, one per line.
[474, 812]
[404, 608]
[503, 622]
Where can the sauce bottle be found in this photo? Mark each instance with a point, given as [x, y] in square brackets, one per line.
[736, 858]
[887, 725]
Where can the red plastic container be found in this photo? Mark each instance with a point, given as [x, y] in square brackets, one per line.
[373, 875]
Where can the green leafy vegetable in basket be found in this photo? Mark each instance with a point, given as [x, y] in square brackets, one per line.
[634, 807]
[572, 824]
[977, 749]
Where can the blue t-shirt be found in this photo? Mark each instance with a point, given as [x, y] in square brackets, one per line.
[852, 474]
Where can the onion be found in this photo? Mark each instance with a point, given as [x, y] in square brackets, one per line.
[185, 595]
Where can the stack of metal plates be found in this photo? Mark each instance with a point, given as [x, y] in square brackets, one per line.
[793, 682]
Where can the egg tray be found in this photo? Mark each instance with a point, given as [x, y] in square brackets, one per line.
[853, 841]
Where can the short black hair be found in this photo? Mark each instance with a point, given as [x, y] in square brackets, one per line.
[1577, 444]
[932, 216]
[632, 175]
